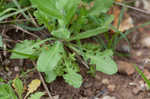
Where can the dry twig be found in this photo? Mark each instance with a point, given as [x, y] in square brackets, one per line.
[44, 84]
[17, 20]
[134, 8]
[82, 61]
[4, 43]
[17, 27]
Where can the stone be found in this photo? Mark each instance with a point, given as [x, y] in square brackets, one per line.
[146, 42]
[111, 87]
[88, 93]
[146, 86]
[145, 39]
[125, 68]
[105, 81]
[124, 48]
[16, 69]
[97, 85]
[97, 76]
[83, 98]
[9, 73]
[133, 84]
[87, 84]
[136, 90]
[56, 97]
[142, 84]
[146, 73]
[109, 97]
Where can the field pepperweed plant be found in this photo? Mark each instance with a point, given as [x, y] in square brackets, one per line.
[69, 22]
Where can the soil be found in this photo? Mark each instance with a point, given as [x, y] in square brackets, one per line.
[92, 88]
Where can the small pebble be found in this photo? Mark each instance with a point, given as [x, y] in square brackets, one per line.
[145, 42]
[148, 94]
[133, 84]
[6, 62]
[88, 92]
[146, 73]
[105, 81]
[111, 87]
[136, 90]
[9, 73]
[125, 48]
[97, 77]
[142, 84]
[139, 53]
[87, 84]
[16, 68]
[56, 97]
[109, 97]
[83, 98]
[97, 85]
[146, 86]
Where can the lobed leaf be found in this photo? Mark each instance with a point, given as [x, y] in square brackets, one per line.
[19, 88]
[25, 47]
[103, 61]
[50, 57]
[73, 78]
[50, 76]
[42, 18]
